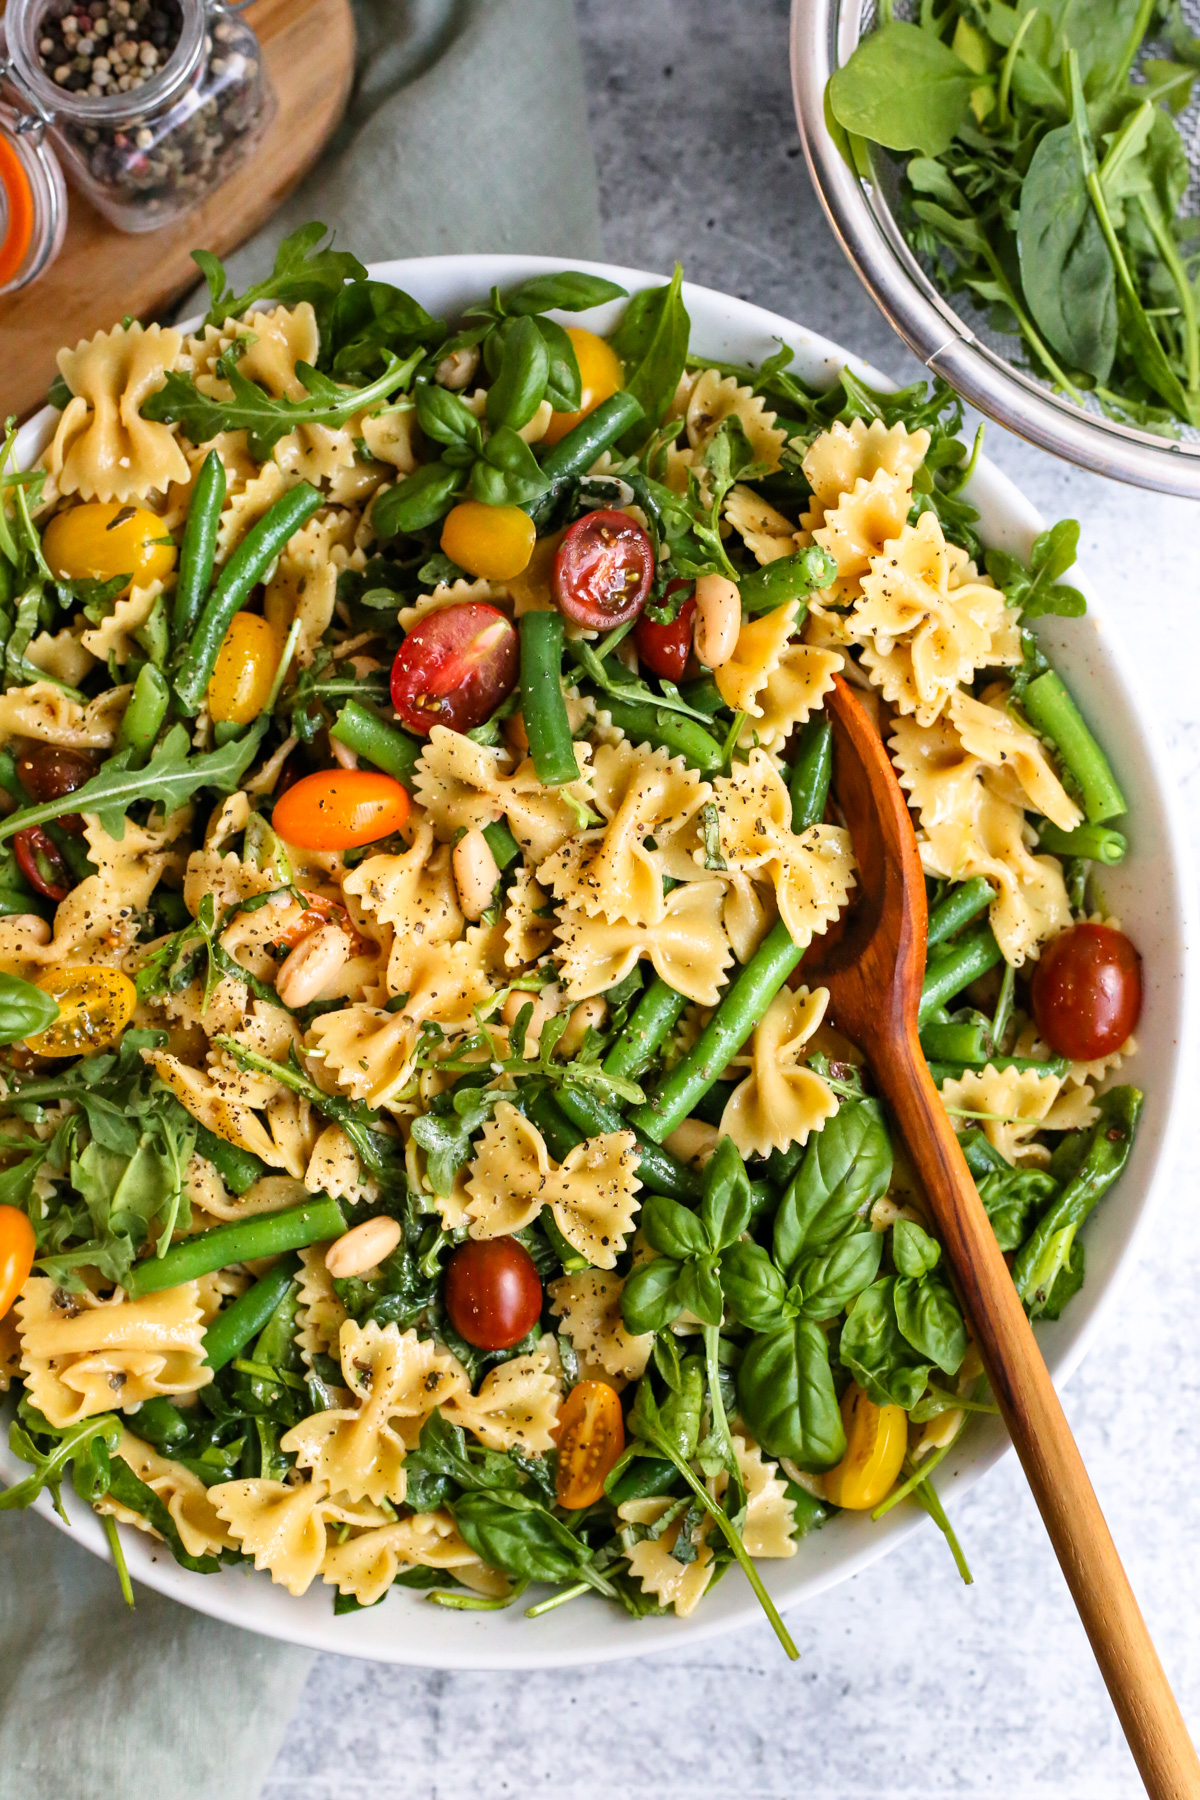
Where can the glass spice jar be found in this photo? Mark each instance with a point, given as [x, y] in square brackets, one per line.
[149, 153]
[33, 204]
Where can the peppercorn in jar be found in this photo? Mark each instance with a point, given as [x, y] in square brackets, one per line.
[152, 104]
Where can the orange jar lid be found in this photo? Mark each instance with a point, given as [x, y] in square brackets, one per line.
[33, 200]
[17, 218]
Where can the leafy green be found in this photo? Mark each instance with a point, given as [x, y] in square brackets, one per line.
[1036, 590]
[903, 88]
[687, 1272]
[1066, 270]
[876, 1351]
[846, 1167]
[1099, 1153]
[567, 290]
[914, 1252]
[305, 269]
[928, 1316]
[652, 342]
[514, 1533]
[787, 1397]
[171, 777]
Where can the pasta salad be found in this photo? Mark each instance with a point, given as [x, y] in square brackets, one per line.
[423, 1161]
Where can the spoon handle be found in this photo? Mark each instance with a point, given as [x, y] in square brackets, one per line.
[1021, 1383]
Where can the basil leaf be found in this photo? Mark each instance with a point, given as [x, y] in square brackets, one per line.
[829, 1281]
[903, 88]
[507, 474]
[514, 1533]
[787, 1398]
[699, 1289]
[648, 1299]
[516, 393]
[846, 1167]
[726, 1206]
[928, 1316]
[443, 417]
[371, 317]
[755, 1292]
[564, 386]
[1066, 269]
[417, 501]
[914, 1252]
[24, 1009]
[672, 1229]
[652, 342]
[876, 1352]
[569, 290]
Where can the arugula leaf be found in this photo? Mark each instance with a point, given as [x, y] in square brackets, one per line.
[305, 269]
[445, 1134]
[1036, 590]
[50, 1466]
[171, 777]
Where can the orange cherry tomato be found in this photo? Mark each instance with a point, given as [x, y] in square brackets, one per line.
[591, 1437]
[17, 1249]
[339, 809]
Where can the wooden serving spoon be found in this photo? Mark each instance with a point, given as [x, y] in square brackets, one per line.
[874, 972]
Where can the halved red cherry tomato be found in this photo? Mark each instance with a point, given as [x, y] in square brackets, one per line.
[48, 771]
[41, 863]
[17, 1251]
[1087, 992]
[603, 570]
[493, 1292]
[591, 1437]
[455, 667]
[665, 648]
[338, 809]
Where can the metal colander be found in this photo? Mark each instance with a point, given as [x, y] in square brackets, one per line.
[980, 363]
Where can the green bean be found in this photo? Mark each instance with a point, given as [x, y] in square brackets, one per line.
[1057, 717]
[502, 844]
[560, 1135]
[787, 578]
[143, 717]
[646, 724]
[1096, 842]
[656, 1013]
[1099, 1155]
[970, 957]
[740, 1010]
[232, 1329]
[246, 567]
[239, 1169]
[962, 904]
[965, 1043]
[199, 547]
[389, 748]
[266, 1234]
[661, 1172]
[955, 1066]
[543, 706]
[808, 783]
[574, 454]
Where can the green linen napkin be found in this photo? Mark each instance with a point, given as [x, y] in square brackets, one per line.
[468, 131]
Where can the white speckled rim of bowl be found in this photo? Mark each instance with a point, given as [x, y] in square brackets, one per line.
[1150, 892]
[824, 34]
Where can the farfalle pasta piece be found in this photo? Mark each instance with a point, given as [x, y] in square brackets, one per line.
[245, 504]
[1010, 1105]
[215, 1101]
[855, 528]
[100, 918]
[44, 712]
[282, 338]
[990, 733]
[10, 1351]
[201, 1529]
[320, 1315]
[516, 1407]
[592, 1193]
[413, 892]
[812, 873]
[528, 920]
[927, 622]
[780, 1102]
[283, 1526]
[303, 585]
[766, 533]
[848, 453]
[114, 634]
[672, 1583]
[688, 948]
[770, 1516]
[397, 1380]
[103, 449]
[367, 1565]
[589, 1305]
[714, 397]
[461, 784]
[333, 1168]
[81, 1355]
[775, 682]
[641, 793]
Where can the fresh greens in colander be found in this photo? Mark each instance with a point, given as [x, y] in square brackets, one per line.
[1045, 178]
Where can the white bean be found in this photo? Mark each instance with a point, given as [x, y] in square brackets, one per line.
[718, 620]
[475, 872]
[457, 369]
[587, 1013]
[313, 963]
[511, 1010]
[363, 1248]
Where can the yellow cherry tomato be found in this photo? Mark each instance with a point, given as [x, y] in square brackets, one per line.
[590, 1436]
[240, 685]
[340, 809]
[495, 542]
[17, 1248]
[600, 374]
[102, 539]
[95, 1004]
[876, 1439]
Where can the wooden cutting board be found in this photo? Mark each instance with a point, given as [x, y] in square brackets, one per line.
[102, 274]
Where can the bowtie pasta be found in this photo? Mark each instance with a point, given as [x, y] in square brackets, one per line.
[425, 1160]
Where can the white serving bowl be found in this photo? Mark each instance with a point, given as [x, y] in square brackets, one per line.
[1148, 892]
